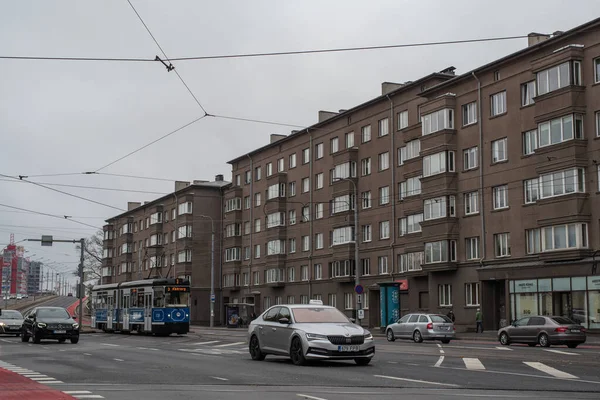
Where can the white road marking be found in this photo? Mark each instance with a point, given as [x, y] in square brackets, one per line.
[7, 341]
[35, 376]
[86, 354]
[392, 362]
[561, 352]
[88, 396]
[229, 344]
[439, 361]
[118, 359]
[142, 348]
[416, 380]
[42, 379]
[219, 378]
[50, 382]
[473, 363]
[309, 397]
[503, 348]
[76, 392]
[211, 342]
[442, 351]
[439, 345]
[150, 348]
[549, 370]
[110, 344]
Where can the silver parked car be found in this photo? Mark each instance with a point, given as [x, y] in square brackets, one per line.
[419, 327]
[543, 330]
[309, 332]
[11, 322]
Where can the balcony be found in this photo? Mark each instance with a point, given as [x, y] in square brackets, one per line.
[439, 267]
[156, 228]
[276, 284]
[341, 252]
[566, 100]
[233, 241]
[569, 154]
[440, 229]
[344, 279]
[277, 177]
[574, 207]
[346, 155]
[565, 255]
[275, 204]
[442, 184]
[275, 261]
[412, 167]
[343, 186]
[412, 132]
[278, 232]
[341, 219]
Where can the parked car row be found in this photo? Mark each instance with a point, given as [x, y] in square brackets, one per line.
[15, 296]
[39, 324]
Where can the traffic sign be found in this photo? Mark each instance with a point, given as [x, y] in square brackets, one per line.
[359, 298]
[359, 289]
[212, 298]
[361, 314]
[46, 240]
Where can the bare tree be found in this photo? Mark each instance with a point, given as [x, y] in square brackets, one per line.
[92, 258]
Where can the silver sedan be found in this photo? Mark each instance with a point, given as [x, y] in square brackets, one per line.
[309, 332]
[419, 327]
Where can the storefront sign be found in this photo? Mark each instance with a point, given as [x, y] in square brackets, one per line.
[403, 284]
[593, 282]
[528, 286]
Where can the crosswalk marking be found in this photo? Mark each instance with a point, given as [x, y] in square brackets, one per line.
[230, 344]
[88, 396]
[76, 392]
[211, 342]
[549, 370]
[503, 348]
[561, 352]
[473, 363]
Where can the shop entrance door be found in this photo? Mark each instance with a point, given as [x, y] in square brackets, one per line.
[562, 304]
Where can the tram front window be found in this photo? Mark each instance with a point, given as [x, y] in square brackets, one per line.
[177, 299]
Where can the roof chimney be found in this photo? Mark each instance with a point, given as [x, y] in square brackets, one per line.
[181, 185]
[276, 138]
[534, 38]
[132, 205]
[219, 178]
[387, 87]
[325, 115]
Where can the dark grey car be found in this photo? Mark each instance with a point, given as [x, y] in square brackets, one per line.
[543, 330]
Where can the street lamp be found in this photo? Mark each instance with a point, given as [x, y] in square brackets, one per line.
[212, 270]
[358, 302]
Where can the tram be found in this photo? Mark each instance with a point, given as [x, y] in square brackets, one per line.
[157, 306]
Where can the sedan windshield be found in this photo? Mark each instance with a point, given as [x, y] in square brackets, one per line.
[10, 314]
[318, 315]
[440, 318]
[563, 321]
[53, 313]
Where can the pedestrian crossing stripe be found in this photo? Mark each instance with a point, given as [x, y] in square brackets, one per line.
[474, 364]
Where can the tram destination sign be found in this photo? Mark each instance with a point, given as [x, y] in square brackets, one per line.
[177, 289]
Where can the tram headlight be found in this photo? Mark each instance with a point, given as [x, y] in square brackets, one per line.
[41, 325]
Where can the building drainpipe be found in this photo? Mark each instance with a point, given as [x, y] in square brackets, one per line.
[392, 188]
[481, 202]
[310, 215]
[220, 226]
[176, 234]
[252, 226]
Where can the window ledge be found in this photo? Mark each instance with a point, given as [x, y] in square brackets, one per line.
[499, 162]
[500, 209]
[470, 169]
[477, 214]
[498, 115]
[528, 105]
[469, 124]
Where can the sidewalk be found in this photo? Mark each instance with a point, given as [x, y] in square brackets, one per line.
[16, 387]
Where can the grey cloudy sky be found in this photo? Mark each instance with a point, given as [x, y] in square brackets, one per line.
[59, 117]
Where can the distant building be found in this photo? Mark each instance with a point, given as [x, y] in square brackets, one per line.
[14, 270]
[34, 278]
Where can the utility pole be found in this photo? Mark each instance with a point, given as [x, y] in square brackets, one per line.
[212, 271]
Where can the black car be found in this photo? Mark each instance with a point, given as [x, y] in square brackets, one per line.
[49, 323]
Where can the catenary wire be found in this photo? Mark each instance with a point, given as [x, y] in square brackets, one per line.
[62, 217]
[90, 187]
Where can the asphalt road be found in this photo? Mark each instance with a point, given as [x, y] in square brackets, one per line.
[217, 366]
[60, 301]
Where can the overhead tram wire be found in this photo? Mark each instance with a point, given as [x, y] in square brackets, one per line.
[62, 217]
[89, 187]
[269, 54]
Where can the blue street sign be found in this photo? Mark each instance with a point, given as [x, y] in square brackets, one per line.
[212, 298]
[359, 289]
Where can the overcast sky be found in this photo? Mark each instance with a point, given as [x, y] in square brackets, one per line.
[63, 117]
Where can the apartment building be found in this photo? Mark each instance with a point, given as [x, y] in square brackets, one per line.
[170, 237]
[474, 191]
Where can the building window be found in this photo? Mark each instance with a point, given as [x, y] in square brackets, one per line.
[349, 140]
[238, 180]
[382, 265]
[184, 256]
[367, 233]
[318, 210]
[496, 75]
[156, 218]
[291, 275]
[445, 295]
[343, 171]
[305, 185]
[410, 187]
[292, 161]
[269, 169]
[280, 165]
[304, 272]
[292, 189]
[231, 230]
[500, 197]
[384, 230]
[303, 299]
[384, 161]
[267, 302]
[319, 241]
[257, 225]
[256, 277]
[438, 163]
[318, 272]
[276, 190]
[469, 113]
[233, 254]
[365, 166]
[305, 214]
[471, 203]
[305, 243]
[527, 93]
[348, 301]
[532, 190]
[560, 130]
[530, 139]
[402, 119]
[341, 268]
[342, 235]
[247, 253]
[257, 173]
[562, 182]
[365, 134]
[410, 224]
[185, 231]
[342, 204]
[597, 70]
[534, 241]
[257, 251]
[275, 219]
[319, 181]
[319, 151]
[247, 177]
[470, 158]
[275, 247]
[383, 127]
[290, 300]
[332, 300]
[366, 266]
[186, 208]
[597, 119]
[558, 77]
[499, 150]
[334, 145]
[472, 248]
[502, 244]
[411, 261]
[498, 103]
[292, 217]
[441, 251]
[472, 294]
[437, 121]
[411, 150]
[231, 204]
[305, 156]
[274, 275]
[384, 195]
[366, 197]
[562, 237]
[439, 207]
[247, 202]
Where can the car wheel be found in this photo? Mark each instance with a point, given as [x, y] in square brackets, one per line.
[531, 344]
[445, 341]
[61, 340]
[362, 361]
[504, 340]
[35, 337]
[296, 352]
[75, 339]
[24, 338]
[543, 340]
[417, 337]
[255, 351]
[572, 345]
[390, 335]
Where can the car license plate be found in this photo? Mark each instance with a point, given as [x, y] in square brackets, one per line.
[59, 332]
[575, 330]
[348, 348]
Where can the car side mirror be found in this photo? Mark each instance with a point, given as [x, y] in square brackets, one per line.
[284, 321]
[74, 317]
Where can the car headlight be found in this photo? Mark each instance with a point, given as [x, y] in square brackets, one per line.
[41, 325]
[2, 324]
[314, 336]
[75, 326]
[368, 335]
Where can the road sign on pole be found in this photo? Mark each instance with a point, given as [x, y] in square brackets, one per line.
[359, 289]
[212, 298]
[361, 314]
[46, 240]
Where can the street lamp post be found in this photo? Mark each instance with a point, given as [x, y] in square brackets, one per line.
[358, 302]
[212, 270]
